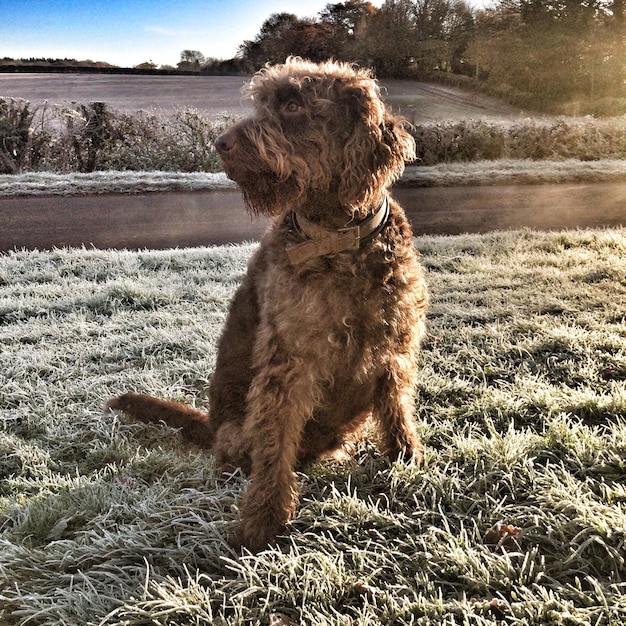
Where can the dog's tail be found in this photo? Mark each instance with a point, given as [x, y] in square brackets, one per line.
[194, 425]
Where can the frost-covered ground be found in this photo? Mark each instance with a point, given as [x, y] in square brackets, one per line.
[448, 174]
[518, 517]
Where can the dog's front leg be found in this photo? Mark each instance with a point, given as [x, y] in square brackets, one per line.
[279, 404]
[394, 409]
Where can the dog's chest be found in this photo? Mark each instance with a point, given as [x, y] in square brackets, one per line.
[326, 312]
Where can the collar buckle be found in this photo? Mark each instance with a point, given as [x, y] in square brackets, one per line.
[351, 235]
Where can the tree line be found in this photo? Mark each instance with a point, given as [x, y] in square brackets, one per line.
[539, 54]
[554, 56]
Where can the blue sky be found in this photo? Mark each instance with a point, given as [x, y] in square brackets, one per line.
[129, 32]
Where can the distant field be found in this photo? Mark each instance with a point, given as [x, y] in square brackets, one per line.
[210, 94]
[213, 95]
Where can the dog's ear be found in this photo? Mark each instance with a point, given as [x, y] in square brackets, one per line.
[376, 151]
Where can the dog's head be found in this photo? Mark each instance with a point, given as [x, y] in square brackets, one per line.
[319, 133]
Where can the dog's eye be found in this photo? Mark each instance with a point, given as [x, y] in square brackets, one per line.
[291, 107]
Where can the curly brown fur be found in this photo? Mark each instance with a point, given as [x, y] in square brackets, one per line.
[193, 424]
[311, 348]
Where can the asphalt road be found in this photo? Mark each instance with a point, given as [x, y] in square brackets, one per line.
[166, 220]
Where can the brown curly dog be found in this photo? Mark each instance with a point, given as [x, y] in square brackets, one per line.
[324, 330]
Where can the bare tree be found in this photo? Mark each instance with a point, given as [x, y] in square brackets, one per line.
[443, 29]
[391, 38]
[346, 20]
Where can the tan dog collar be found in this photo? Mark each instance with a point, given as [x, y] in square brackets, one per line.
[322, 241]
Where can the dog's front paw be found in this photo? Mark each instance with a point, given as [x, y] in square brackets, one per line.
[413, 453]
[262, 521]
[416, 455]
[255, 537]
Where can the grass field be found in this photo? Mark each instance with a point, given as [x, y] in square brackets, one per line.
[518, 517]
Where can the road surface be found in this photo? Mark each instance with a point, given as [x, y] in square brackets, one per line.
[165, 220]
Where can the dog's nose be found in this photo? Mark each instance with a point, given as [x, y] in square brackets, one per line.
[225, 142]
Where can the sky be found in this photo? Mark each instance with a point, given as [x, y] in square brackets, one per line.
[129, 32]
